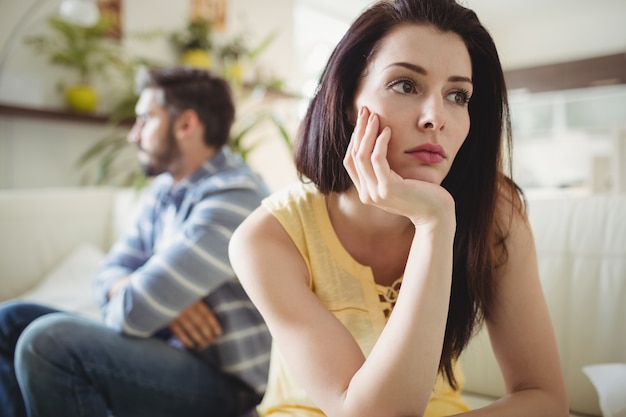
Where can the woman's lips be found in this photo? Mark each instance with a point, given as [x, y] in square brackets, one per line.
[428, 153]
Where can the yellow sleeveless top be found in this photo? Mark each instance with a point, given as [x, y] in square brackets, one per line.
[347, 289]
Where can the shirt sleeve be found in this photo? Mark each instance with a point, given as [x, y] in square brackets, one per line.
[188, 267]
[129, 253]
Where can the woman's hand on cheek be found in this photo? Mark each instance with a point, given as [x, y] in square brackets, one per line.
[377, 184]
[366, 157]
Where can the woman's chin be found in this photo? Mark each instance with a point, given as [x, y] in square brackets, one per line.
[426, 174]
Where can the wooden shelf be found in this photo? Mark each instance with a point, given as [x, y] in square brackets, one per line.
[584, 73]
[60, 115]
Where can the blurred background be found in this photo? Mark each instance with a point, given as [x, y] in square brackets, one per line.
[565, 63]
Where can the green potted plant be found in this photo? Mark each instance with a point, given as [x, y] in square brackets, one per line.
[85, 51]
[231, 57]
[235, 55]
[194, 44]
[112, 161]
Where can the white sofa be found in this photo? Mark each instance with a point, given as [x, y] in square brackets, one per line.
[51, 240]
[581, 249]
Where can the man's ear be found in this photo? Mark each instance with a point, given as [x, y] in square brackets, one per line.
[186, 123]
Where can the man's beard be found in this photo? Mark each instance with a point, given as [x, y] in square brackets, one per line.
[158, 164]
[150, 169]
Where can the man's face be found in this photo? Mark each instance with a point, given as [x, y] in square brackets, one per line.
[153, 134]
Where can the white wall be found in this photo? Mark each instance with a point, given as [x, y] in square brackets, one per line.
[538, 32]
[534, 32]
[531, 32]
[42, 153]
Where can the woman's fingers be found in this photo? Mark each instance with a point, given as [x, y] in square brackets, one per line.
[353, 146]
[380, 165]
[363, 154]
[366, 156]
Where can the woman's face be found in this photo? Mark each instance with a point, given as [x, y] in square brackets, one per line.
[419, 84]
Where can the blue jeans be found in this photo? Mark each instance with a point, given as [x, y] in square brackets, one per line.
[59, 364]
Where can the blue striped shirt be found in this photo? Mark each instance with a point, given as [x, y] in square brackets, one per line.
[177, 253]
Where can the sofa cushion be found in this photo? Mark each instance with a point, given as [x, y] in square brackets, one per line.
[609, 379]
[69, 286]
[41, 227]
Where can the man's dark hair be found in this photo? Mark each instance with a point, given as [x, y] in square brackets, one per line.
[187, 88]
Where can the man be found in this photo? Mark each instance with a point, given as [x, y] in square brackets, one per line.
[180, 337]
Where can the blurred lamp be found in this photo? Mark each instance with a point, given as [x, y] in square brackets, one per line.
[79, 12]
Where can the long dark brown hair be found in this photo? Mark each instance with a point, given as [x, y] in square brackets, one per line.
[476, 179]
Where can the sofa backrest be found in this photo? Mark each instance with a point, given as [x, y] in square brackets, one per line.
[40, 227]
[581, 249]
[126, 208]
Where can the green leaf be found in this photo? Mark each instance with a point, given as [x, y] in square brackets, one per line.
[283, 132]
[265, 42]
[99, 147]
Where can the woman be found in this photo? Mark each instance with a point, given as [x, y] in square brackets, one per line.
[401, 148]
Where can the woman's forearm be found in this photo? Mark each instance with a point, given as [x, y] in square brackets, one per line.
[405, 360]
[534, 402]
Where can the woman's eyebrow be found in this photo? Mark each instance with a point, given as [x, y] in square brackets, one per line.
[457, 78]
[421, 70]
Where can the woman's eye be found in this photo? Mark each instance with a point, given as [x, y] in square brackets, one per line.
[403, 86]
[460, 97]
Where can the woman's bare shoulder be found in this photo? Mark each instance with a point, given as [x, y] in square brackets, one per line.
[260, 228]
[259, 241]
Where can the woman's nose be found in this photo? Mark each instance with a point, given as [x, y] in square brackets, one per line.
[432, 116]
